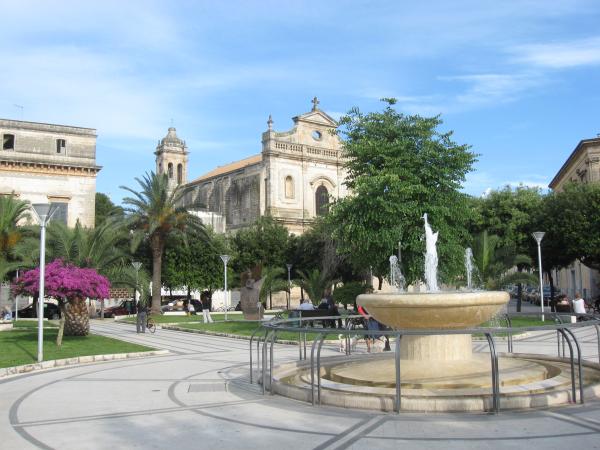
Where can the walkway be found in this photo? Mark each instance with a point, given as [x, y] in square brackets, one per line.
[200, 397]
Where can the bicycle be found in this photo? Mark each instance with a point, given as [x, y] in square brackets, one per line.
[151, 325]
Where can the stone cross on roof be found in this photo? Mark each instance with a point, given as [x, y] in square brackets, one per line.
[315, 102]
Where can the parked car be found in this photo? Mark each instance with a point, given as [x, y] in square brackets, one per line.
[122, 309]
[174, 305]
[51, 311]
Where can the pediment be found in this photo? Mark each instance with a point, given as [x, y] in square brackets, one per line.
[317, 117]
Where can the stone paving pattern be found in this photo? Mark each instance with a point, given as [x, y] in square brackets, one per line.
[199, 396]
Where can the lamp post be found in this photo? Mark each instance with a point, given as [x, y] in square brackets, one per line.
[137, 266]
[17, 302]
[289, 299]
[538, 236]
[44, 212]
[225, 258]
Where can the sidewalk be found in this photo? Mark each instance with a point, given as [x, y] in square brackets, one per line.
[199, 396]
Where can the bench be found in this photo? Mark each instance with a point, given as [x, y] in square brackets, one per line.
[318, 314]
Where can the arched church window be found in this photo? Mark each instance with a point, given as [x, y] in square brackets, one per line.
[321, 201]
[170, 169]
[289, 187]
[179, 173]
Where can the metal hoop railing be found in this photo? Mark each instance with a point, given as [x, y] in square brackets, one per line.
[271, 328]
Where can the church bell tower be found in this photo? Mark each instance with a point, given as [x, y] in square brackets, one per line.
[171, 158]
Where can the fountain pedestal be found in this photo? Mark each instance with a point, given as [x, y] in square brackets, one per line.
[454, 347]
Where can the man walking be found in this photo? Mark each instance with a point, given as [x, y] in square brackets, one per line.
[142, 317]
[205, 300]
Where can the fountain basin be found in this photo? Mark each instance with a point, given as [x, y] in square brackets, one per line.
[433, 310]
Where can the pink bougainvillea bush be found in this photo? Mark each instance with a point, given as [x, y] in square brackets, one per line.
[64, 282]
[70, 285]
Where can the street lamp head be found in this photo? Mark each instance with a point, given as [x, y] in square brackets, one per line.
[43, 211]
[538, 236]
[289, 267]
[136, 265]
[225, 258]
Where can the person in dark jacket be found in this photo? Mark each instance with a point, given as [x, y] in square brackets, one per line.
[142, 317]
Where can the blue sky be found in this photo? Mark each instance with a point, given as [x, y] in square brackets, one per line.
[517, 80]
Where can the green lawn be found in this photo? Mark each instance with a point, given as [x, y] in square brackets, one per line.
[34, 324]
[246, 329]
[19, 346]
[162, 318]
[242, 328]
[531, 321]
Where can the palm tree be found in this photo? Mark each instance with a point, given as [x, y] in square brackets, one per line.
[314, 283]
[154, 213]
[494, 263]
[273, 281]
[12, 211]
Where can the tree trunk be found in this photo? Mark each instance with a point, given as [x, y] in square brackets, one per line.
[61, 324]
[77, 321]
[157, 250]
[379, 282]
[519, 296]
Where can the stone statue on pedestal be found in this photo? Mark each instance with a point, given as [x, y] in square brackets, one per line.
[249, 295]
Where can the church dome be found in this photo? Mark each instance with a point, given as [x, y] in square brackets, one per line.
[172, 140]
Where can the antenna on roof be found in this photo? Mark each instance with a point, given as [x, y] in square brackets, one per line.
[20, 107]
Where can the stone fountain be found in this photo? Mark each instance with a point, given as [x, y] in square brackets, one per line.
[439, 372]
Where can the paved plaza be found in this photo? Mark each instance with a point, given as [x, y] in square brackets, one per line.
[199, 396]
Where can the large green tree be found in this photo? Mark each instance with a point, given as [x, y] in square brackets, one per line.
[511, 215]
[195, 264]
[571, 220]
[265, 244]
[154, 213]
[400, 167]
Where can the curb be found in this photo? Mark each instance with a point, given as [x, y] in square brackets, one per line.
[77, 360]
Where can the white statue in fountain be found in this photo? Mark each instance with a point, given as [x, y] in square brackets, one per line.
[469, 267]
[431, 258]
[396, 278]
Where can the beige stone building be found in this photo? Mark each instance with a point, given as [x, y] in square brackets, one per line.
[582, 166]
[293, 179]
[45, 163]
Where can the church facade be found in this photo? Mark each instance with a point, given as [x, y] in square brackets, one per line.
[293, 179]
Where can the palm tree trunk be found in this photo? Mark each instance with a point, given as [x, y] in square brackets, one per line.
[77, 320]
[157, 251]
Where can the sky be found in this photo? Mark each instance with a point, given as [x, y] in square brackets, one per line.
[517, 80]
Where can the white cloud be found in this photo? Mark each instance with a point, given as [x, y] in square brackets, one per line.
[493, 88]
[559, 55]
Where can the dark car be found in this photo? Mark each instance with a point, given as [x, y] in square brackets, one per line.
[51, 311]
[122, 309]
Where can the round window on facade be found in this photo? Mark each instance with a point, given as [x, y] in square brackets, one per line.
[317, 136]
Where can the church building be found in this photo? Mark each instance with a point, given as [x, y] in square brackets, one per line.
[293, 179]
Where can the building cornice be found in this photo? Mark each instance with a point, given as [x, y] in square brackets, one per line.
[47, 127]
[8, 165]
[571, 160]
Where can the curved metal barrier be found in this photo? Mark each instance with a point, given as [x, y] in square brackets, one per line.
[297, 325]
